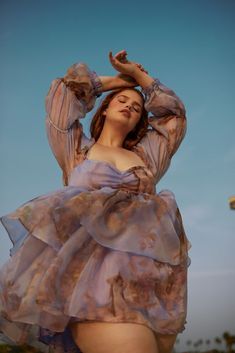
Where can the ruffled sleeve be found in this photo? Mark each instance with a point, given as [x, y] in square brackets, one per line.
[167, 127]
[68, 100]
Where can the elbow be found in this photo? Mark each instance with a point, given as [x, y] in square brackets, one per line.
[181, 110]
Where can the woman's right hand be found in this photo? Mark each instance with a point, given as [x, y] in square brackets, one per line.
[121, 64]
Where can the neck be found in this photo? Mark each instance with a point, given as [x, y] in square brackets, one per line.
[111, 138]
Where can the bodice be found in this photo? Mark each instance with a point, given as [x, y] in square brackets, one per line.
[92, 174]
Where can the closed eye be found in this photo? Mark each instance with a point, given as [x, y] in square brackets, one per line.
[123, 100]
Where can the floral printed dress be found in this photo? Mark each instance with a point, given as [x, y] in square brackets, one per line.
[106, 246]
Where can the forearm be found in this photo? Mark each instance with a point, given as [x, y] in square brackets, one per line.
[143, 79]
[163, 100]
[107, 83]
[114, 82]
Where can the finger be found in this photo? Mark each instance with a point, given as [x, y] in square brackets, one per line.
[120, 53]
[110, 55]
[121, 57]
[114, 62]
[111, 58]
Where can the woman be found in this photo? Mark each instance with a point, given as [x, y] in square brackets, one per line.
[101, 264]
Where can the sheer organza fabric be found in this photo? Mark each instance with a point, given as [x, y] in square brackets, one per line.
[106, 246]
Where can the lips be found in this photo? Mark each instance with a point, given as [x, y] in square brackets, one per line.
[126, 111]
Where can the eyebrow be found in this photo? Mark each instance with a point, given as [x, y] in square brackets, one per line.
[129, 97]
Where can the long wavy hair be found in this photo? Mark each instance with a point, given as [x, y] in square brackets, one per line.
[134, 136]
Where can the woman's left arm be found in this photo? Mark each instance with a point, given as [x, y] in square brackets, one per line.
[169, 115]
[168, 110]
[168, 121]
[169, 124]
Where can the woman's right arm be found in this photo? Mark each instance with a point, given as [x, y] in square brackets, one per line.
[68, 100]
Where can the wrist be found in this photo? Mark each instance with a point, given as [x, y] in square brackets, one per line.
[142, 78]
[96, 83]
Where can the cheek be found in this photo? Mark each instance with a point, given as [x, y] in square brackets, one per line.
[138, 117]
[115, 105]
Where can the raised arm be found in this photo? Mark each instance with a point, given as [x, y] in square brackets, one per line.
[168, 123]
[68, 100]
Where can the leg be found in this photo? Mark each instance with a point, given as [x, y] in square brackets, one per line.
[105, 337]
[165, 342]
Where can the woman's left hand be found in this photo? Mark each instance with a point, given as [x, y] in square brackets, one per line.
[121, 64]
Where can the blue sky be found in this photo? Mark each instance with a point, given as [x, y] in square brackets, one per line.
[190, 47]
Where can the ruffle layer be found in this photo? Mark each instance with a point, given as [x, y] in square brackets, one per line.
[143, 224]
[108, 254]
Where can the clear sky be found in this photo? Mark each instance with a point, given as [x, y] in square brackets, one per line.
[190, 47]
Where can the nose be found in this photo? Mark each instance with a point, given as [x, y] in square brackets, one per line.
[129, 106]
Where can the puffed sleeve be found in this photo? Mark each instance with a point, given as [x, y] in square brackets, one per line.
[168, 126]
[68, 100]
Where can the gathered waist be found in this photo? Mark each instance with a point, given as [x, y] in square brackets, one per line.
[128, 190]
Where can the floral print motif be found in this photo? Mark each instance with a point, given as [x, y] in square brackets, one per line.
[106, 246]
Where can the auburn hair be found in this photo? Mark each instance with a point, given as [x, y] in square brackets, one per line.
[134, 136]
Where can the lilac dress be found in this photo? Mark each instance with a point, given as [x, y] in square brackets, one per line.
[106, 246]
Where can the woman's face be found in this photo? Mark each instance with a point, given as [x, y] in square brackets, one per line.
[126, 107]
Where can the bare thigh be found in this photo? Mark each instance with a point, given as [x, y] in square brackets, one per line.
[105, 337]
[165, 343]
